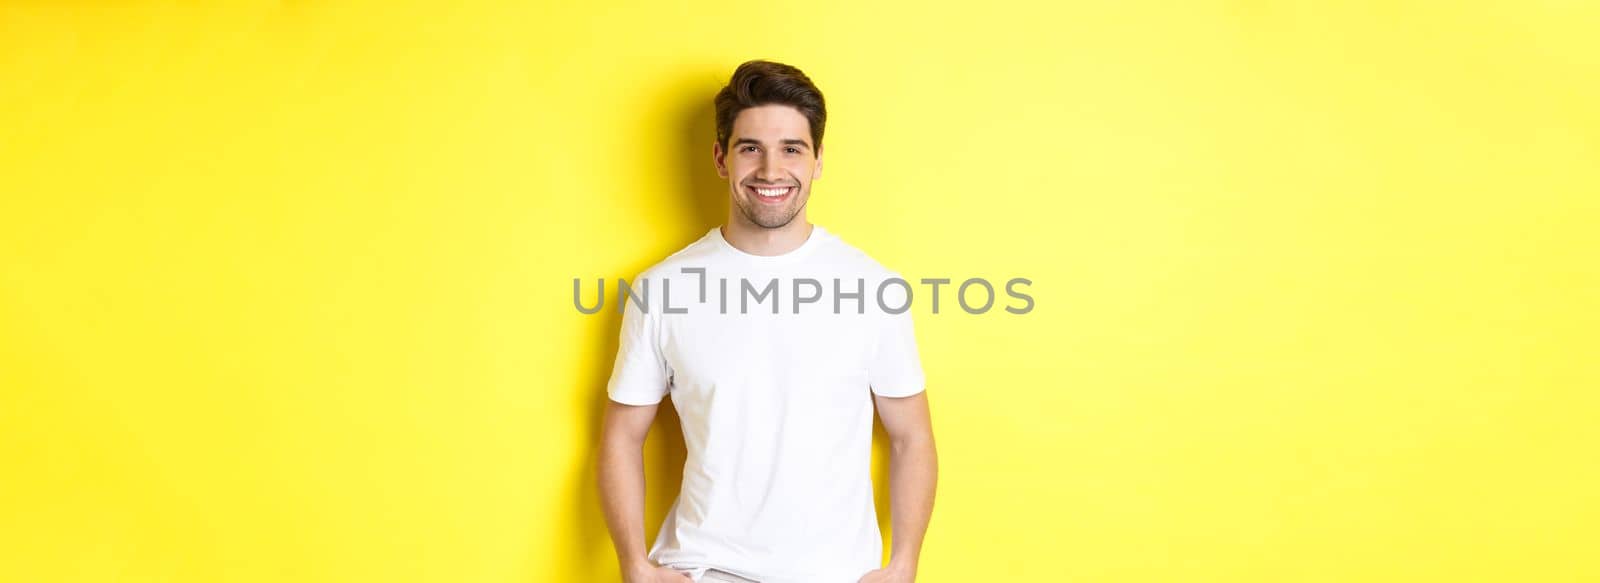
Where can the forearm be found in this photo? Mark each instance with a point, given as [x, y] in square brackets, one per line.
[913, 475]
[621, 477]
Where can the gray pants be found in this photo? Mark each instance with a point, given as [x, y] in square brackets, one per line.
[724, 577]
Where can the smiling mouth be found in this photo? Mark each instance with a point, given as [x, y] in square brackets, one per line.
[771, 194]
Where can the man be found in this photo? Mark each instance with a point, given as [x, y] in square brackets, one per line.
[774, 385]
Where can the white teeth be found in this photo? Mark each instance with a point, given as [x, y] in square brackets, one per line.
[772, 192]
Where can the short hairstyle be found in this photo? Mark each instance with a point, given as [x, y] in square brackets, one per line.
[759, 82]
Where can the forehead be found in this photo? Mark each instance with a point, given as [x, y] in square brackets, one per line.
[771, 122]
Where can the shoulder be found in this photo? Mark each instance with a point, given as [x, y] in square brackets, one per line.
[644, 287]
[888, 292]
[696, 254]
[854, 260]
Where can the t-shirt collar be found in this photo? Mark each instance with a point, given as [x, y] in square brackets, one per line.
[793, 255]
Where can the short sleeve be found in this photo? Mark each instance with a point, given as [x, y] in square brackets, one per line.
[896, 369]
[639, 376]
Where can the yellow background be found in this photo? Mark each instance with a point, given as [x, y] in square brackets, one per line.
[285, 287]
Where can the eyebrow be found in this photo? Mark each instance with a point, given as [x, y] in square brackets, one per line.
[788, 142]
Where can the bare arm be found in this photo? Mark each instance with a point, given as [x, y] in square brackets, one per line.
[621, 476]
[913, 474]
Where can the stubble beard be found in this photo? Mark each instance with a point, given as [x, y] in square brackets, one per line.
[770, 218]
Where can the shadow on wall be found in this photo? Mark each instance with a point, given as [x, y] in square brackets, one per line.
[592, 556]
[705, 198]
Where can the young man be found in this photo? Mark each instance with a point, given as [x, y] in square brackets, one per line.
[774, 379]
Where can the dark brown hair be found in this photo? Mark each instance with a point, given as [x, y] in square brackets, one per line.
[760, 82]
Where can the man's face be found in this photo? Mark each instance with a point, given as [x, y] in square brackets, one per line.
[770, 164]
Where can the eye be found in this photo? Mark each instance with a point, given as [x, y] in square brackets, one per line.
[747, 149]
[794, 150]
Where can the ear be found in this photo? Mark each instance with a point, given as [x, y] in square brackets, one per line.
[817, 172]
[716, 158]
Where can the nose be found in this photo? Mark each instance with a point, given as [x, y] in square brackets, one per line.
[770, 170]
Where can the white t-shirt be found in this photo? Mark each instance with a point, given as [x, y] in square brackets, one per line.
[776, 408]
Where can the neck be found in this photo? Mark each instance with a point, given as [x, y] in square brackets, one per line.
[757, 240]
